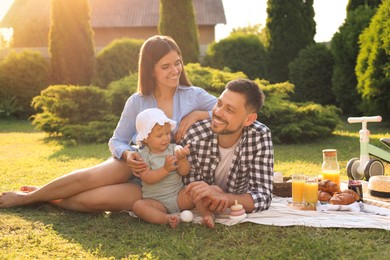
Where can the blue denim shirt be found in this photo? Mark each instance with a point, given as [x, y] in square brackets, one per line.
[185, 100]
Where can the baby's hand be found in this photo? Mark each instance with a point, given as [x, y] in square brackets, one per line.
[170, 163]
[181, 152]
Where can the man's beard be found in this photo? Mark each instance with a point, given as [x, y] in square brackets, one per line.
[224, 131]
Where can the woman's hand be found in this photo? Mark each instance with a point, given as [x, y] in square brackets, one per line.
[188, 121]
[135, 162]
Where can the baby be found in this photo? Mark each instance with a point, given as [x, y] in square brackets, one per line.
[162, 187]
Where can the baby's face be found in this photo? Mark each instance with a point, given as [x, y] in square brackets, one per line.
[159, 139]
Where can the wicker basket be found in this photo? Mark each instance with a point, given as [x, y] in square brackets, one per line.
[283, 189]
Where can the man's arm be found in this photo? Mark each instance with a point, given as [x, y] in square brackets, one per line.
[216, 199]
[261, 171]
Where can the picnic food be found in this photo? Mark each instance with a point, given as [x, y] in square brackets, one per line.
[379, 186]
[237, 211]
[344, 198]
[324, 196]
[328, 186]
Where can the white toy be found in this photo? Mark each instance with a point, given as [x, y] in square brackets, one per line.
[186, 216]
[365, 166]
[178, 147]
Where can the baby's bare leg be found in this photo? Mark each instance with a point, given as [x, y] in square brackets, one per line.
[185, 202]
[153, 211]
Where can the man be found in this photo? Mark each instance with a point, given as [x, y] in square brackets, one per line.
[231, 154]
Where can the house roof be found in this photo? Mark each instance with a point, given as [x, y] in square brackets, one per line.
[112, 13]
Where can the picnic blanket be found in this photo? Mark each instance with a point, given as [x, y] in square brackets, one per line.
[281, 214]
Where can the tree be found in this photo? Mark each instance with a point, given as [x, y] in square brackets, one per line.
[290, 27]
[345, 49]
[354, 4]
[238, 52]
[373, 63]
[311, 73]
[70, 42]
[22, 76]
[177, 19]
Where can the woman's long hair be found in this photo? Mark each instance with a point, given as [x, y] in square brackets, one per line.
[151, 52]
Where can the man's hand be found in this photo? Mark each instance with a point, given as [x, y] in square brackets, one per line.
[212, 196]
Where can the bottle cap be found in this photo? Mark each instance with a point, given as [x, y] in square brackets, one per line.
[329, 152]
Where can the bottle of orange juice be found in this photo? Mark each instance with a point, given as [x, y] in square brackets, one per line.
[330, 166]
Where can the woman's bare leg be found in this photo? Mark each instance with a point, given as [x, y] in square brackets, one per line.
[110, 172]
[113, 198]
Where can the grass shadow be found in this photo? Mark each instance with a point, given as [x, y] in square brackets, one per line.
[97, 151]
[22, 126]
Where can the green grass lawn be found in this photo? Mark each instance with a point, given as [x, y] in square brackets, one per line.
[45, 232]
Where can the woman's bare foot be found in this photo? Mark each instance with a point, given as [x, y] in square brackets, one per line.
[28, 189]
[173, 220]
[12, 199]
[208, 220]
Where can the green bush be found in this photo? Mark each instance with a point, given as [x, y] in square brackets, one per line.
[238, 52]
[311, 73]
[22, 76]
[295, 122]
[212, 80]
[8, 106]
[90, 114]
[116, 61]
[94, 131]
[119, 91]
[62, 105]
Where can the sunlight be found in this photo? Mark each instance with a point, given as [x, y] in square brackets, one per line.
[7, 33]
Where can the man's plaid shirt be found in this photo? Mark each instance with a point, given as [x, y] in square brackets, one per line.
[252, 166]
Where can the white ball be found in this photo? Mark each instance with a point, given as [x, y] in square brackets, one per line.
[186, 216]
[178, 147]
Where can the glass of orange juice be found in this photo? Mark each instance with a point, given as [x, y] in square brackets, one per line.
[298, 182]
[333, 176]
[310, 191]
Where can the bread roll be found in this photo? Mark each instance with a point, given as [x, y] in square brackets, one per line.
[324, 196]
[344, 198]
[328, 186]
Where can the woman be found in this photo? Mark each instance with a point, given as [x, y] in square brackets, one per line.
[162, 83]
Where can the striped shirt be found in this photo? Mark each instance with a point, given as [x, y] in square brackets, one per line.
[252, 166]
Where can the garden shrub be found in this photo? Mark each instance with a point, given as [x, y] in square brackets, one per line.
[22, 76]
[295, 122]
[119, 91]
[311, 73]
[94, 131]
[90, 114]
[238, 52]
[212, 80]
[117, 60]
[62, 105]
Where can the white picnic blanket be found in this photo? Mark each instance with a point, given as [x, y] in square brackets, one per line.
[280, 214]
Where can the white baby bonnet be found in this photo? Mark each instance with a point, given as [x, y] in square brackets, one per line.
[147, 119]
